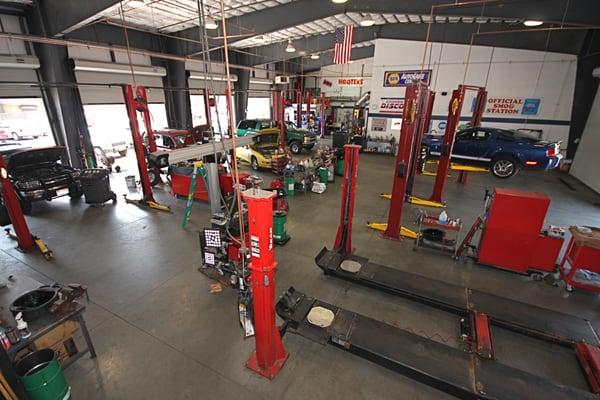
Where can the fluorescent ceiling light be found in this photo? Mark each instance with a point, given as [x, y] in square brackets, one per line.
[339, 1]
[314, 56]
[367, 21]
[136, 3]
[210, 23]
[532, 22]
[290, 47]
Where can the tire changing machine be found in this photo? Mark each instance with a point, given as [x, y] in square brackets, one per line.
[471, 372]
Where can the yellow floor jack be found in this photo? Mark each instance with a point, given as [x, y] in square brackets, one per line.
[416, 201]
[39, 243]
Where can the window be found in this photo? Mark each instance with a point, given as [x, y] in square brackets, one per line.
[474, 135]
[198, 112]
[259, 108]
[24, 122]
[246, 124]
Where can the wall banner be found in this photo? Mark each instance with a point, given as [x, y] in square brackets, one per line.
[403, 78]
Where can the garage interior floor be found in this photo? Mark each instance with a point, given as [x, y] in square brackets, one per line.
[160, 334]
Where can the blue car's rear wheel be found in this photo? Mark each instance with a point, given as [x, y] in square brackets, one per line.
[504, 167]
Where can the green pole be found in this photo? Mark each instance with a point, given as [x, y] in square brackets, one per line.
[198, 169]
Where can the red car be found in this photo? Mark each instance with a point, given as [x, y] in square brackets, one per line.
[4, 132]
[170, 139]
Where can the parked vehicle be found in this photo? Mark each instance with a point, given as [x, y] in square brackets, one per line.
[295, 138]
[263, 150]
[20, 129]
[4, 131]
[42, 174]
[505, 152]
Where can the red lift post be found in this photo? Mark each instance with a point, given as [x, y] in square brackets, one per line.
[133, 105]
[323, 109]
[270, 355]
[298, 108]
[308, 99]
[423, 127]
[454, 112]
[343, 239]
[415, 100]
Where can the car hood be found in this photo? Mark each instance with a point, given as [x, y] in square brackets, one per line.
[35, 156]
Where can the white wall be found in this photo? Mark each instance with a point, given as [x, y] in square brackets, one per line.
[361, 69]
[586, 165]
[507, 73]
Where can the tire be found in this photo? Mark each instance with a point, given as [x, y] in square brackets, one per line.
[26, 206]
[15, 136]
[75, 191]
[123, 153]
[254, 163]
[504, 167]
[154, 177]
[296, 147]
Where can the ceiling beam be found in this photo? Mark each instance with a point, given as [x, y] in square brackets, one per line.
[582, 12]
[326, 59]
[64, 16]
[459, 33]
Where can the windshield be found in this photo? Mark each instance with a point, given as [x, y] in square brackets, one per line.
[271, 139]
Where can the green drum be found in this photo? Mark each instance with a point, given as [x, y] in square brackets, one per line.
[323, 175]
[42, 376]
[289, 185]
[280, 236]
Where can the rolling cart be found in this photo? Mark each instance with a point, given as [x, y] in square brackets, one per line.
[96, 186]
[434, 235]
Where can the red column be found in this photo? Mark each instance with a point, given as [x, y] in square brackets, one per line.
[403, 161]
[343, 239]
[269, 356]
[299, 108]
[308, 101]
[282, 116]
[323, 118]
[479, 107]
[142, 105]
[13, 207]
[138, 146]
[275, 104]
[454, 110]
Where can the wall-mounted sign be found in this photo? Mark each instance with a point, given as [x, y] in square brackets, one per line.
[396, 124]
[378, 124]
[327, 83]
[350, 81]
[392, 105]
[511, 106]
[403, 78]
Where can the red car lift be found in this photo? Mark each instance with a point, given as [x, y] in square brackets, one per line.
[299, 108]
[343, 239]
[454, 112]
[270, 355]
[21, 234]
[469, 371]
[418, 105]
[133, 105]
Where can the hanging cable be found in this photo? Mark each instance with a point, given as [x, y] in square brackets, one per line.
[127, 44]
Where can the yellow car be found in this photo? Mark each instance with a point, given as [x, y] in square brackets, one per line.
[263, 150]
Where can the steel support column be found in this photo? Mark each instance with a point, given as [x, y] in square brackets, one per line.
[241, 93]
[177, 95]
[270, 355]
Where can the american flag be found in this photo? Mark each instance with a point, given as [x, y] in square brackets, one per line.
[342, 44]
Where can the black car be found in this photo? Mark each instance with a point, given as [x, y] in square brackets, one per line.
[42, 174]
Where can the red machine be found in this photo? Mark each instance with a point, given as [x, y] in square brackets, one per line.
[583, 253]
[511, 236]
[269, 356]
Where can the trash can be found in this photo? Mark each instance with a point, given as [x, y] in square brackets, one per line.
[323, 175]
[42, 376]
[96, 186]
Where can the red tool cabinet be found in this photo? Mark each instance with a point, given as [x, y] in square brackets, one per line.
[512, 238]
[583, 253]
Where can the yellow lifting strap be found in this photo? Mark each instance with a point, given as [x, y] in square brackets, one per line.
[403, 231]
[468, 168]
[416, 201]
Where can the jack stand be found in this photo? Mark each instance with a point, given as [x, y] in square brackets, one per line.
[270, 355]
[39, 243]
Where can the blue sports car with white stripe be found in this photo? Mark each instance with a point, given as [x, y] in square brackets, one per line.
[505, 152]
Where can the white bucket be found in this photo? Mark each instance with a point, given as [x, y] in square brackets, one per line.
[130, 181]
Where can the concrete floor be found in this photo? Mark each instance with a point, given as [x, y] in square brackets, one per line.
[160, 334]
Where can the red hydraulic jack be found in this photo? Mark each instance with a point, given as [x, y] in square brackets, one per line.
[133, 105]
[454, 112]
[270, 355]
[343, 239]
[21, 233]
